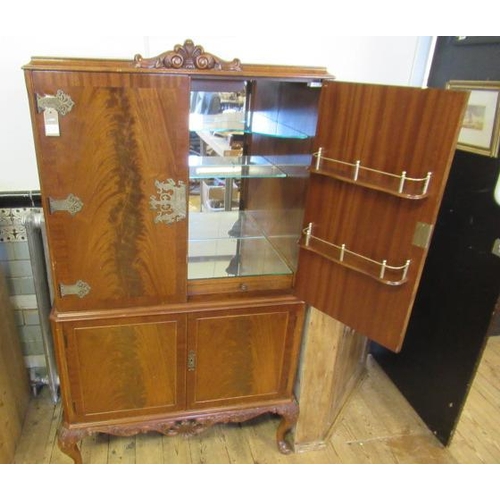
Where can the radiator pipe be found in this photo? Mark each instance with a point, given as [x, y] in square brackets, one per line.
[35, 230]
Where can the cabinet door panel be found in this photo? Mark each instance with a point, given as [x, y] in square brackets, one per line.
[390, 130]
[124, 134]
[243, 356]
[124, 367]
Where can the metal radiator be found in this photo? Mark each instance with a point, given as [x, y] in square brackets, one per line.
[36, 237]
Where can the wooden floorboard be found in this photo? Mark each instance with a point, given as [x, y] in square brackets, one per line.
[377, 426]
[477, 436]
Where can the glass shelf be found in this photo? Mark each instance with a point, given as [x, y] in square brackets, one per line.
[230, 244]
[234, 122]
[220, 122]
[263, 125]
[208, 167]
[292, 165]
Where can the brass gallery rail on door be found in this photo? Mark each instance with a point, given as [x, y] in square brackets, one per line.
[395, 184]
[378, 270]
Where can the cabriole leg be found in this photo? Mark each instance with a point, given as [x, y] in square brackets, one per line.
[289, 416]
[68, 443]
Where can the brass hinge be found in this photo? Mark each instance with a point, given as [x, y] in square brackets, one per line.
[496, 248]
[52, 106]
[61, 102]
[80, 289]
[422, 235]
[71, 204]
[191, 361]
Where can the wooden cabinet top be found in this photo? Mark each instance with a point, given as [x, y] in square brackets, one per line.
[188, 59]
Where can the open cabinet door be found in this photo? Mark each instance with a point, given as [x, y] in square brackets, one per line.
[383, 157]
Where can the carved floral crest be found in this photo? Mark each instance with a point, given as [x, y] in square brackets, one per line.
[187, 56]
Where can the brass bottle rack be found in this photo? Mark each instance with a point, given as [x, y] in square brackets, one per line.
[378, 270]
[354, 173]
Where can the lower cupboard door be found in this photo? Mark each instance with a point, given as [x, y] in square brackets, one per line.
[120, 368]
[239, 357]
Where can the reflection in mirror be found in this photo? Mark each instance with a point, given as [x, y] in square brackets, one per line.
[217, 125]
[251, 145]
[226, 238]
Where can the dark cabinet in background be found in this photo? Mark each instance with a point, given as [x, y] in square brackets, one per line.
[456, 307]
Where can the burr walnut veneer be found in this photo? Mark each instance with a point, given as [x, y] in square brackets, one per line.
[329, 202]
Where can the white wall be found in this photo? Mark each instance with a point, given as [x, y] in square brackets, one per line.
[398, 60]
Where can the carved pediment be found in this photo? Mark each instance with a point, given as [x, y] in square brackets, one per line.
[187, 56]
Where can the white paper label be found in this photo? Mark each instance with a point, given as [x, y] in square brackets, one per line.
[51, 121]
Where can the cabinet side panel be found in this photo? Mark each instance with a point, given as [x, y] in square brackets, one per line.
[332, 363]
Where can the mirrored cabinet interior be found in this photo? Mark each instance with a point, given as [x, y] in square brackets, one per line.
[250, 142]
[196, 209]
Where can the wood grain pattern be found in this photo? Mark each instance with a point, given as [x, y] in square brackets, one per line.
[124, 133]
[248, 357]
[14, 382]
[390, 129]
[129, 66]
[238, 287]
[187, 424]
[243, 356]
[332, 364]
[142, 362]
[127, 130]
[362, 435]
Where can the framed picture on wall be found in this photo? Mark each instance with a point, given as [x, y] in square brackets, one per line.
[475, 40]
[480, 132]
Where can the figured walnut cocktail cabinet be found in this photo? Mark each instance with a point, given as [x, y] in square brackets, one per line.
[196, 208]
